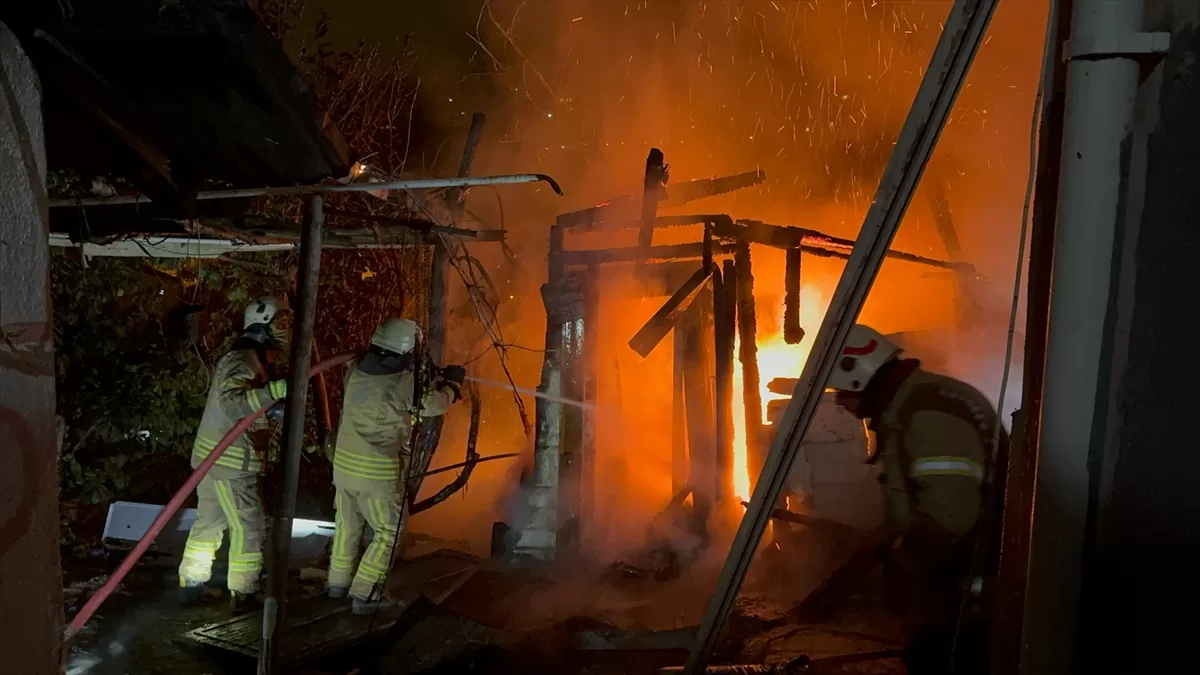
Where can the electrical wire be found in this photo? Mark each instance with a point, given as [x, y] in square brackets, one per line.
[1035, 126]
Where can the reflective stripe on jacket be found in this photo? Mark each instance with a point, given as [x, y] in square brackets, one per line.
[239, 387]
[373, 436]
[935, 456]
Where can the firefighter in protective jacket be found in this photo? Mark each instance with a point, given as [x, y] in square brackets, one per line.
[371, 457]
[227, 497]
[934, 436]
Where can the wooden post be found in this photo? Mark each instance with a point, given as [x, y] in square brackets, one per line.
[748, 355]
[793, 332]
[725, 326]
[655, 177]
[588, 365]
[573, 354]
[31, 620]
[439, 291]
[699, 397]
[538, 536]
[679, 439]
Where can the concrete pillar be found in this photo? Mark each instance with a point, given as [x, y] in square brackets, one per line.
[30, 577]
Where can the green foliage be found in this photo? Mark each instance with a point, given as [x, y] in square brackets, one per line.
[129, 390]
[132, 376]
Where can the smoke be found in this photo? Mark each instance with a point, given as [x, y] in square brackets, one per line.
[812, 93]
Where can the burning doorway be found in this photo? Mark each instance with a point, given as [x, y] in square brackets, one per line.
[718, 426]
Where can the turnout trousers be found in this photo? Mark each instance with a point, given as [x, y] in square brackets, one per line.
[386, 511]
[226, 500]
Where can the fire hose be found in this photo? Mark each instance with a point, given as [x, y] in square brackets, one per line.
[177, 501]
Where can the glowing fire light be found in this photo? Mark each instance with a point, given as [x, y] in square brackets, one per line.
[776, 358]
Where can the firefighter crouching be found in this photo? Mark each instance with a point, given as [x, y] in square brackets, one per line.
[371, 458]
[934, 436]
[227, 497]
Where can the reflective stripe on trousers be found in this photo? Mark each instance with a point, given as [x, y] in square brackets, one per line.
[381, 509]
[945, 466]
[222, 504]
[368, 467]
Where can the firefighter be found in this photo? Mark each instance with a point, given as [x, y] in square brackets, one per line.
[933, 435]
[227, 498]
[371, 458]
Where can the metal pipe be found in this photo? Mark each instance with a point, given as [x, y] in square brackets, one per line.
[293, 433]
[1102, 86]
[293, 190]
[956, 48]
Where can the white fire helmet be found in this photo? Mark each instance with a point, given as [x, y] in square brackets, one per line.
[397, 335]
[865, 352]
[260, 311]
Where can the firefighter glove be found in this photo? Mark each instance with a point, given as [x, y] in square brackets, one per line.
[275, 412]
[454, 374]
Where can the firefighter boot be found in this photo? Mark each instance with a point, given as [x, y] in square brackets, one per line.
[362, 607]
[336, 592]
[243, 603]
[190, 592]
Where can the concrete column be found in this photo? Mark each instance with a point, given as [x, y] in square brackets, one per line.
[31, 623]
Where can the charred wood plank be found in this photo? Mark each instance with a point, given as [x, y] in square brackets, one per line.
[623, 210]
[602, 256]
[814, 242]
[679, 437]
[699, 397]
[724, 330]
[692, 190]
[652, 186]
[793, 332]
[649, 335]
[748, 355]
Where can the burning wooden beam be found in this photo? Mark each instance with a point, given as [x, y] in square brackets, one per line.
[648, 336]
[725, 327]
[814, 242]
[793, 332]
[699, 399]
[652, 186]
[632, 254]
[623, 210]
[679, 449]
[748, 355]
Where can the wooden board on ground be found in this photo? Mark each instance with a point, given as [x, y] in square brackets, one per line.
[319, 626]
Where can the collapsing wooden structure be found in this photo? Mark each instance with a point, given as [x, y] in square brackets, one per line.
[710, 309]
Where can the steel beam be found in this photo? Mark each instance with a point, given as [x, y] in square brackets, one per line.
[956, 48]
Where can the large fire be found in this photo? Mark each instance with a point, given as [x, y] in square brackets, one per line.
[776, 358]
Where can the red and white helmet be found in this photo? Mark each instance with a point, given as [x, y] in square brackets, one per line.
[865, 352]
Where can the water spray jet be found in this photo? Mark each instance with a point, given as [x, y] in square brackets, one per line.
[533, 392]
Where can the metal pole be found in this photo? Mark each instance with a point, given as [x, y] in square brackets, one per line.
[956, 48]
[293, 434]
[1102, 85]
[294, 190]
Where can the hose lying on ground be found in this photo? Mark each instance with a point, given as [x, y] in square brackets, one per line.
[177, 501]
